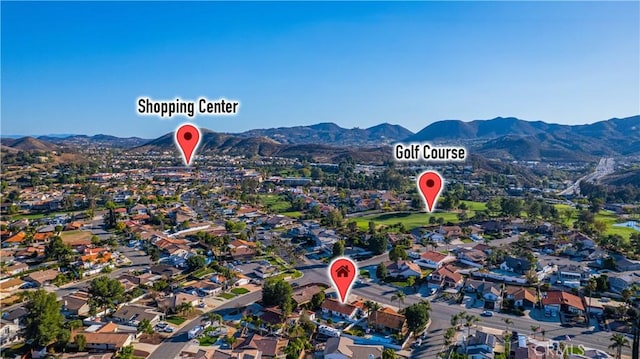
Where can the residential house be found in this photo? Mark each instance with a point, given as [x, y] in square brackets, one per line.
[270, 347]
[433, 259]
[620, 281]
[445, 277]
[559, 301]
[571, 275]
[134, 314]
[76, 304]
[516, 265]
[338, 309]
[174, 302]
[9, 287]
[302, 295]
[15, 269]
[345, 348]
[388, 320]
[42, 278]
[624, 264]
[451, 232]
[472, 256]
[492, 295]
[107, 341]
[481, 345]
[521, 296]
[165, 271]
[9, 333]
[206, 288]
[403, 269]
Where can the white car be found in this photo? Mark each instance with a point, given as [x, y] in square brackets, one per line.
[168, 329]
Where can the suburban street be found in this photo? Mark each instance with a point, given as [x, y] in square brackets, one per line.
[441, 314]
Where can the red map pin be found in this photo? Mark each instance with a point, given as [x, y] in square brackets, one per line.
[343, 273]
[430, 186]
[188, 138]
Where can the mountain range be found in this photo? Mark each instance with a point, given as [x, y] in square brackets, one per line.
[503, 138]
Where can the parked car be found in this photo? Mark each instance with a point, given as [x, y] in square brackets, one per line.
[168, 329]
[487, 313]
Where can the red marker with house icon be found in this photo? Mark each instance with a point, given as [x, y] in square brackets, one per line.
[343, 272]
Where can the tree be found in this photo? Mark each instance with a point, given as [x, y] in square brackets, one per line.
[317, 300]
[213, 317]
[125, 353]
[388, 353]
[338, 249]
[399, 296]
[297, 346]
[411, 282]
[58, 251]
[185, 308]
[398, 252]
[105, 293]
[507, 323]
[276, 291]
[449, 336]
[372, 308]
[145, 326]
[417, 316]
[619, 341]
[381, 271]
[196, 262]
[378, 243]
[469, 321]
[81, 341]
[44, 322]
[372, 227]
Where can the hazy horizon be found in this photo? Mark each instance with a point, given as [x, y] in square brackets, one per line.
[61, 135]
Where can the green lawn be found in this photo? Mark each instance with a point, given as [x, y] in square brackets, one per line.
[607, 217]
[475, 206]
[201, 273]
[275, 203]
[292, 214]
[207, 340]
[399, 284]
[175, 320]
[409, 219]
[239, 291]
[227, 295]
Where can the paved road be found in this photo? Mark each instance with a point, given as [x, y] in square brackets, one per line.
[441, 314]
[605, 167]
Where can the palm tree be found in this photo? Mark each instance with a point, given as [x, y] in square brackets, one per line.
[507, 323]
[399, 296]
[213, 317]
[185, 308]
[534, 330]
[591, 286]
[619, 342]
[470, 320]
[372, 307]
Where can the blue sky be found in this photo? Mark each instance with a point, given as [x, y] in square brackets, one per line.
[77, 67]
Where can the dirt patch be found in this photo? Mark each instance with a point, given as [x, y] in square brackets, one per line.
[154, 339]
[140, 353]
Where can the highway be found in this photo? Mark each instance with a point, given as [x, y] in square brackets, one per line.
[605, 167]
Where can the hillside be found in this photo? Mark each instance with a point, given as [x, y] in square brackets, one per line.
[96, 140]
[512, 138]
[220, 143]
[29, 144]
[332, 134]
